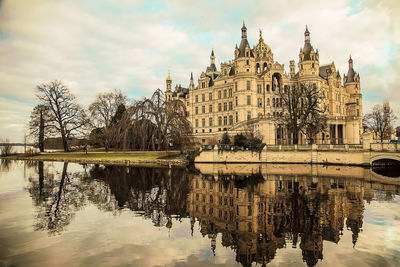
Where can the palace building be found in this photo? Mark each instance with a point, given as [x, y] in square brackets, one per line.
[242, 95]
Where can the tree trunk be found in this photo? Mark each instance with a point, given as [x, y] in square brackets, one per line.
[295, 137]
[41, 132]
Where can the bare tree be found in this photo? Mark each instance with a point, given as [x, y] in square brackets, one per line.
[67, 117]
[103, 110]
[6, 149]
[38, 124]
[380, 120]
[302, 110]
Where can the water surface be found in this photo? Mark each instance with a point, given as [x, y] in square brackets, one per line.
[54, 214]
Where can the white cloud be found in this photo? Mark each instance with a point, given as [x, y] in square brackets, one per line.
[94, 48]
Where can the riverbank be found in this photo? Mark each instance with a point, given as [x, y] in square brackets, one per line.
[142, 158]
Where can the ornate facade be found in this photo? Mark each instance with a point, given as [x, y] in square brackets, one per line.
[242, 95]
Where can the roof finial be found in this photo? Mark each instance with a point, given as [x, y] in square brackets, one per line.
[191, 76]
[244, 24]
[212, 52]
[169, 76]
[350, 56]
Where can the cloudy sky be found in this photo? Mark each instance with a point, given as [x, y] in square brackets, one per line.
[95, 46]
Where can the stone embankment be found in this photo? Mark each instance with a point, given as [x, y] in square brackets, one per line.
[361, 155]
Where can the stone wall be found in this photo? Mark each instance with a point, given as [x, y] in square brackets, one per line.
[341, 155]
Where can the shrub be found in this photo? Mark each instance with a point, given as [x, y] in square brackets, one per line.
[191, 155]
[226, 140]
[240, 140]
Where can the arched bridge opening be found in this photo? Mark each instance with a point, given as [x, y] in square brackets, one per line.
[387, 167]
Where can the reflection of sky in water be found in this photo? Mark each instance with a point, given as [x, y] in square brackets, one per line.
[97, 237]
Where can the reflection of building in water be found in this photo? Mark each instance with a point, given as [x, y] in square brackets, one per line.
[256, 218]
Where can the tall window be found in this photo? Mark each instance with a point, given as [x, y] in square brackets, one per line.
[219, 107]
[210, 109]
[196, 98]
[248, 85]
[225, 106]
[203, 122]
[203, 109]
[203, 97]
[248, 115]
[259, 102]
[225, 120]
[197, 123]
[236, 87]
[225, 94]
[230, 92]
[210, 96]
[267, 87]
[230, 105]
[237, 117]
[197, 110]
[248, 100]
[259, 88]
[219, 94]
[210, 122]
[219, 121]
[236, 101]
[267, 101]
[230, 120]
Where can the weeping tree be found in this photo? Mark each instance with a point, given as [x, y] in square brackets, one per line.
[303, 110]
[153, 124]
[66, 117]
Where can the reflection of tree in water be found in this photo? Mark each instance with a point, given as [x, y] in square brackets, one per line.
[5, 165]
[56, 200]
[155, 193]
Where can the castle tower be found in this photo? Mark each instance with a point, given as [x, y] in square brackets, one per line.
[245, 57]
[308, 58]
[168, 92]
[292, 68]
[212, 68]
[191, 84]
[352, 86]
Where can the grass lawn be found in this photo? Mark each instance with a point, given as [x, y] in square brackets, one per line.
[102, 156]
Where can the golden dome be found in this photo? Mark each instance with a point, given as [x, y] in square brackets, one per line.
[262, 47]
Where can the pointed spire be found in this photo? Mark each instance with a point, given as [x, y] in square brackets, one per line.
[244, 31]
[261, 38]
[169, 76]
[307, 35]
[350, 62]
[212, 52]
[191, 76]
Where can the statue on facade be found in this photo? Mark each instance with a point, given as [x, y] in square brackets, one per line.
[276, 83]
